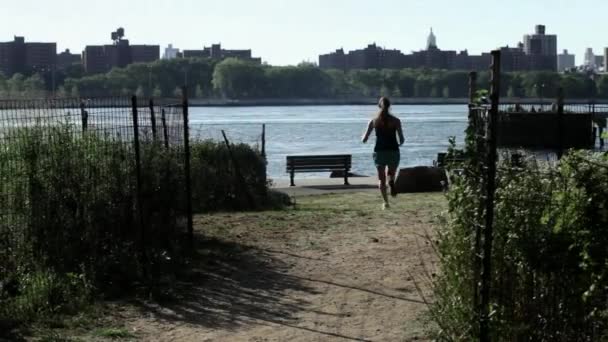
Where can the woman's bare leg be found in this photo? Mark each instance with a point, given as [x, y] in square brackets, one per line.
[392, 172]
[382, 183]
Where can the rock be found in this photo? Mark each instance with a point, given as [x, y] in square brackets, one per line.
[375, 240]
[340, 174]
[420, 179]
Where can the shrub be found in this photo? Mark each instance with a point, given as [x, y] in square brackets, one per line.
[549, 275]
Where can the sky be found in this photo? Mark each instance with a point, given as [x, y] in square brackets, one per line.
[285, 32]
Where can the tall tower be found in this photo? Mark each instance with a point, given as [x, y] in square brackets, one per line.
[431, 42]
[590, 58]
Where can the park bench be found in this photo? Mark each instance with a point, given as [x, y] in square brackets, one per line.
[319, 163]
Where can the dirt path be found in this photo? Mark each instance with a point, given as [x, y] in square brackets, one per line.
[335, 269]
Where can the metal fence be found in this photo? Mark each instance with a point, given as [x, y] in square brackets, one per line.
[81, 178]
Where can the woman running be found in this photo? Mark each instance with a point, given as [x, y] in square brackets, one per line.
[386, 151]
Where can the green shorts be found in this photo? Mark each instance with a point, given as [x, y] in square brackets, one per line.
[387, 158]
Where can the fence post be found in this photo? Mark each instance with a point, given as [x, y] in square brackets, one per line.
[265, 179]
[84, 115]
[164, 122]
[472, 86]
[486, 275]
[138, 185]
[187, 165]
[560, 123]
[264, 141]
[153, 120]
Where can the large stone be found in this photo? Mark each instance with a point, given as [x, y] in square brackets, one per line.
[420, 179]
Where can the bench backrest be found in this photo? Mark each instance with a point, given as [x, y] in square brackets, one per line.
[319, 163]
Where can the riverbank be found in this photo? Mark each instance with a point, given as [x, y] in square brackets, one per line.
[363, 101]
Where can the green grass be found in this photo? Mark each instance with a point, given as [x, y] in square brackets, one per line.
[323, 213]
[113, 333]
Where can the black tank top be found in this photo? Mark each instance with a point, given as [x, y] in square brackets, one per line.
[386, 138]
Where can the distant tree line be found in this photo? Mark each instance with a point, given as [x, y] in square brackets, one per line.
[238, 79]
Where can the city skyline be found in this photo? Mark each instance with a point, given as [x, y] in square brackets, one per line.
[284, 34]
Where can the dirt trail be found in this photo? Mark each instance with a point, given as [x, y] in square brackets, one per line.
[335, 269]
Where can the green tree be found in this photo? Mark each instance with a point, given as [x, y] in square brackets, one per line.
[74, 92]
[236, 78]
[446, 92]
[340, 85]
[385, 91]
[434, 92]
[199, 94]
[423, 87]
[602, 87]
[16, 85]
[574, 86]
[140, 92]
[157, 92]
[177, 92]
[61, 92]
[511, 92]
[406, 83]
[3, 85]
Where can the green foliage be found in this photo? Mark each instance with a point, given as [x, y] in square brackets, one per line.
[140, 92]
[235, 78]
[70, 228]
[549, 276]
[157, 92]
[217, 186]
[113, 333]
[199, 93]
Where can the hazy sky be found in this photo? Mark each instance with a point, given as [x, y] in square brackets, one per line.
[290, 31]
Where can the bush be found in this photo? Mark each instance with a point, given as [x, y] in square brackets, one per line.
[70, 224]
[549, 275]
[215, 181]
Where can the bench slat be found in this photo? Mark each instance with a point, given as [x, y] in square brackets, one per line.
[320, 162]
[348, 156]
[318, 167]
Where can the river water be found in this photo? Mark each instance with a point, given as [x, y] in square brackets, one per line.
[331, 130]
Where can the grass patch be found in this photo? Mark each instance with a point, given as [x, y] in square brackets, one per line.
[113, 333]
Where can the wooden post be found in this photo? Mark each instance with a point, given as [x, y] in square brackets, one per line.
[164, 122]
[187, 174]
[84, 115]
[264, 141]
[472, 86]
[152, 120]
[560, 123]
[486, 275]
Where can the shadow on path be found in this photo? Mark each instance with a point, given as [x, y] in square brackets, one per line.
[231, 286]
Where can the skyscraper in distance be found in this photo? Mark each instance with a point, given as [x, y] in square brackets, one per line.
[565, 61]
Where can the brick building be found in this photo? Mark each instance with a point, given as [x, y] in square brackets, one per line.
[102, 58]
[21, 57]
[66, 59]
[215, 51]
[539, 52]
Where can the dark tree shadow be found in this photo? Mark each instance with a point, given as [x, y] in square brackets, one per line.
[231, 285]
